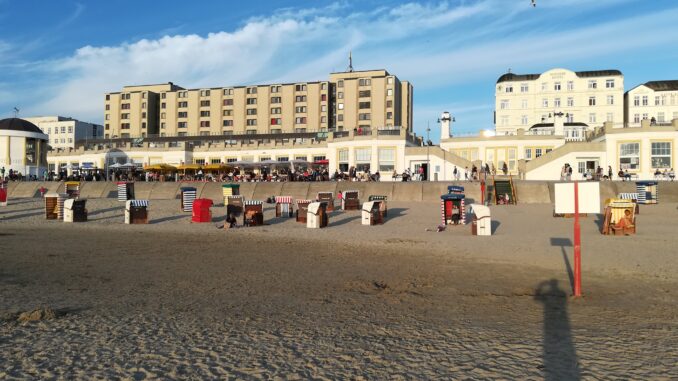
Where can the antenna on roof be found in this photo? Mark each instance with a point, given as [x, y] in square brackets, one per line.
[350, 62]
[16, 111]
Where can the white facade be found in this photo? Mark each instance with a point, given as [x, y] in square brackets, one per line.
[590, 97]
[23, 152]
[63, 132]
[655, 101]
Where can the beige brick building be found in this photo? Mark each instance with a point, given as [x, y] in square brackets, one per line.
[351, 100]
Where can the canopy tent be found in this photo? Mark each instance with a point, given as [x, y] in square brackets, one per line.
[190, 167]
[216, 167]
[128, 165]
[115, 166]
[160, 167]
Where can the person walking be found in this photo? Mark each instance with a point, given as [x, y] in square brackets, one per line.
[455, 173]
[609, 172]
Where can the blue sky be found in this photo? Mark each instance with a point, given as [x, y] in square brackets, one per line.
[60, 57]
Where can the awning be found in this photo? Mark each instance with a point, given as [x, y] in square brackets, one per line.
[160, 167]
[193, 167]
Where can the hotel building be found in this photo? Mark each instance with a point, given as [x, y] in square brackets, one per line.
[63, 132]
[655, 101]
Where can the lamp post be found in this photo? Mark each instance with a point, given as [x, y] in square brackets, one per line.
[428, 147]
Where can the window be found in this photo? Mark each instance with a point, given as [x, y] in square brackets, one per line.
[182, 94]
[108, 107]
[276, 121]
[300, 130]
[592, 118]
[610, 117]
[143, 115]
[70, 129]
[251, 111]
[204, 93]
[143, 105]
[343, 155]
[228, 91]
[524, 120]
[276, 131]
[592, 101]
[276, 110]
[251, 101]
[364, 93]
[363, 155]
[661, 155]
[108, 97]
[386, 159]
[340, 83]
[275, 89]
[389, 103]
[228, 123]
[340, 95]
[340, 106]
[204, 103]
[143, 125]
[389, 80]
[276, 100]
[570, 85]
[365, 116]
[300, 98]
[593, 84]
[183, 104]
[636, 118]
[556, 86]
[162, 125]
[569, 118]
[300, 88]
[389, 92]
[227, 113]
[523, 104]
[340, 118]
[323, 86]
[364, 82]
[544, 86]
[524, 88]
[545, 102]
[300, 120]
[251, 90]
[181, 125]
[570, 102]
[162, 115]
[251, 122]
[629, 156]
[300, 109]
[182, 114]
[323, 108]
[389, 115]
[124, 126]
[122, 116]
[504, 120]
[644, 100]
[537, 152]
[556, 102]
[323, 97]
[125, 96]
[283, 158]
[204, 113]
[204, 123]
[509, 88]
[660, 118]
[636, 100]
[163, 95]
[107, 117]
[228, 102]
[125, 106]
[657, 100]
[610, 99]
[645, 115]
[364, 105]
[108, 126]
[609, 83]
[504, 104]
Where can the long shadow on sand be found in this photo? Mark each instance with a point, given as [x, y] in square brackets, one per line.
[16, 217]
[169, 218]
[343, 221]
[22, 210]
[394, 213]
[559, 355]
[563, 243]
[101, 211]
[494, 225]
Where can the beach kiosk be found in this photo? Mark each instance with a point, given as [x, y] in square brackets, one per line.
[125, 190]
[350, 200]
[302, 210]
[3, 193]
[328, 198]
[371, 214]
[615, 210]
[647, 192]
[482, 222]
[75, 211]
[253, 213]
[452, 209]
[72, 189]
[136, 211]
[201, 210]
[383, 209]
[283, 206]
[188, 195]
[54, 205]
[316, 217]
[230, 190]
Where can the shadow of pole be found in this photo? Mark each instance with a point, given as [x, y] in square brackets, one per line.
[558, 352]
[563, 243]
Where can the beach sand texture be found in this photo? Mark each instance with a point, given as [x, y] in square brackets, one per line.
[175, 299]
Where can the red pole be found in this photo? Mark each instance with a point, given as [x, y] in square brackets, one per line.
[577, 244]
[482, 191]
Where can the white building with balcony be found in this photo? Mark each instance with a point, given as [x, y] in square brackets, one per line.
[63, 132]
[655, 101]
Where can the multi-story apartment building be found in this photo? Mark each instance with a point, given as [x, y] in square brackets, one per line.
[350, 100]
[63, 132]
[655, 101]
[584, 99]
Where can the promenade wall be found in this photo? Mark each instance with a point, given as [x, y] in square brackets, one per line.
[528, 192]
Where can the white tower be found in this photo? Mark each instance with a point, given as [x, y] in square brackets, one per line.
[445, 124]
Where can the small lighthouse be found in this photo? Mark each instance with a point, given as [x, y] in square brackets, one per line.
[445, 124]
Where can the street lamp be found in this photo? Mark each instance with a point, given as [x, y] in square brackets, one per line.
[428, 148]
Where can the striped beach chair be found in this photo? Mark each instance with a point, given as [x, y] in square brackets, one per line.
[302, 210]
[253, 214]
[230, 190]
[648, 192]
[383, 208]
[452, 209]
[350, 200]
[188, 195]
[283, 206]
[125, 190]
[136, 211]
[630, 196]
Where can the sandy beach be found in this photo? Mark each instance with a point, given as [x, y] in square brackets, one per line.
[175, 299]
